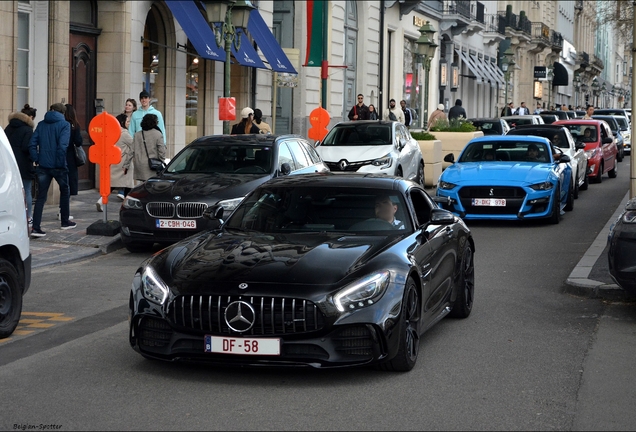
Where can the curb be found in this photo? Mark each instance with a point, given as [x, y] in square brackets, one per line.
[579, 284]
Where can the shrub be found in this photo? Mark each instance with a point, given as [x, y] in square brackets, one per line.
[454, 125]
[423, 136]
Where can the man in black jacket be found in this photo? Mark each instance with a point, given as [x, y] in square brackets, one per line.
[457, 111]
[359, 111]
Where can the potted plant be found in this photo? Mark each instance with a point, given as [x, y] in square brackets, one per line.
[431, 149]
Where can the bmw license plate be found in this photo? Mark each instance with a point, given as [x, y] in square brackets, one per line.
[242, 346]
[179, 224]
[489, 202]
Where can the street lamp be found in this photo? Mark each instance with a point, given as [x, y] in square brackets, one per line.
[227, 18]
[507, 63]
[577, 88]
[595, 91]
[426, 47]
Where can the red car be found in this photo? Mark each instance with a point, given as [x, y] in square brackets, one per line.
[599, 146]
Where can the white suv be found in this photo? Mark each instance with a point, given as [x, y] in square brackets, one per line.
[15, 256]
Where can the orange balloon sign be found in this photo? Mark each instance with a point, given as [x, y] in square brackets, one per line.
[105, 131]
[319, 119]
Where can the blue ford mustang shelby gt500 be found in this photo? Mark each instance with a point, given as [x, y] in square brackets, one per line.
[508, 178]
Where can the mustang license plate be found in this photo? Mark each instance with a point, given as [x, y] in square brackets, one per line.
[491, 202]
[171, 223]
[242, 346]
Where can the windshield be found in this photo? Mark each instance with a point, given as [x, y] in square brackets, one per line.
[622, 122]
[364, 134]
[309, 209]
[244, 159]
[523, 151]
[582, 132]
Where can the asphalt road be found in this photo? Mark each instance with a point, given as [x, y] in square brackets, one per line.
[530, 357]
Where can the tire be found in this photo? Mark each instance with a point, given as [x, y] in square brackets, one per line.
[569, 204]
[576, 186]
[420, 174]
[10, 298]
[619, 154]
[613, 172]
[586, 182]
[555, 215]
[409, 344]
[465, 284]
[599, 176]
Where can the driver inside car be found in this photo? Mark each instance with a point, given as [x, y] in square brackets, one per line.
[385, 209]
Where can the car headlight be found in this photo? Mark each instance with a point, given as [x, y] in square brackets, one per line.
[132, 203]
[230, 204]
[364, 292]
[384, 161]
[629, 216]
[542, 186]
[446, 185]
[591, 153]
[152, 287]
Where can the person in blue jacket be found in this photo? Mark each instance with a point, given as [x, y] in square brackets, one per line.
[48, 151]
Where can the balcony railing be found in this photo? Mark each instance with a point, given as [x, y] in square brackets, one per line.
[495, 23]
[461, 7]
[541, 32]
[556, 39]
[510, 19]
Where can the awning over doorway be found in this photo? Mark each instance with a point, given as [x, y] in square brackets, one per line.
[246, 55]
[197, 29]
[268, 44]
[497, 73]
[473, 68]
[560, 75]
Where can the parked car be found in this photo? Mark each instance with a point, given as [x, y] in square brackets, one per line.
[622, 251]
[15, 256]
[599, 146]
[373, 147]
[212, 170]
[616, 132]
[490, 126]
[561, 137]
[614, 111]
[308, 271]
[561, 115]
[580, 113]
[518, 120]
[571, 114]
[494, 178]
[549, 118]
[626, 133]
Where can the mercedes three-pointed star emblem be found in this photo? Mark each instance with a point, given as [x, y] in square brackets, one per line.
[240, 316]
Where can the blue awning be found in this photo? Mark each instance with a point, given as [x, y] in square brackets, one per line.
[197, 29]
[268, 44]
[246, 54]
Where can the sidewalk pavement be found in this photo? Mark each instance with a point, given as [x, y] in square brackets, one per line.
[590, 278]
[63, 246]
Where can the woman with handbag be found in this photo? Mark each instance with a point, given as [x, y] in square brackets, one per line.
[75, 155]
[121, 180]
[148, 150]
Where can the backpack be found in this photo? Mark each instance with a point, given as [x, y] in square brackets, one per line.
[392, 116]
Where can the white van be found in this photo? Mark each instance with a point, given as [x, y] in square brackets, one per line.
[15, 256]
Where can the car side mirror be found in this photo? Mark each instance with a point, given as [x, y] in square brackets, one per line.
[450, 158]
[607, 140]
[214, 212]
[317, 143]
[442, 217]
[564, 159]
[285, 169]
[579, 145]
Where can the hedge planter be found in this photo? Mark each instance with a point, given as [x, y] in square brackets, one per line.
[432, 154]
[454, 142]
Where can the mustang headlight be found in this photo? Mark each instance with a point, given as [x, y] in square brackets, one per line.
[384, 161]
[542, 186]
[446, 185]
[230, 204]
[152, 287]
[132, 203]
[363, 292]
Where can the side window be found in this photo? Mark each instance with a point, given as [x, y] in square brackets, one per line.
[299, 155]
[285, 156]
[603, 132]
[311, 152]
[421, 206]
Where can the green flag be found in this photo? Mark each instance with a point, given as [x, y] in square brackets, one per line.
[315, 24]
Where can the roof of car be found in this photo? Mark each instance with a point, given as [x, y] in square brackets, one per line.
[578, 121]
[348, 179]
[483, 119]
[537, 126]
[384, 122]
[515, 138]
[255, 139]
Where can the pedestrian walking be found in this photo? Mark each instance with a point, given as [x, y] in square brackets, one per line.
[246, 125]
[147, 144]
[523, 109]
[373, 113]
[457, 111]
[75, 141]
[508, 110]
[437, 116]
[260, 124]
[47, 148]
[138, 115]
[359, 111]
[393, 113]
[409, 114]
[19, 132]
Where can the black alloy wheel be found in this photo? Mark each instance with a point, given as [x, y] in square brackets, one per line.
[569, 204]
[599, 176]
[465, 284]
[409, 345]
[10, 299]
[555, 215]
[420, 174]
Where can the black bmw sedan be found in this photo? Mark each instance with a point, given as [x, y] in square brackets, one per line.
[322, 270]
[622, 248]
[212, 170]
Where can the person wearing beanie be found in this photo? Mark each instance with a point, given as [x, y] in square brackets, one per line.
[437, 116]
[457, 111]
[258, 121]
[246, 125]
[138, 115]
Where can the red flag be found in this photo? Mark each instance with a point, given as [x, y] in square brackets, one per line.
[315, 29]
